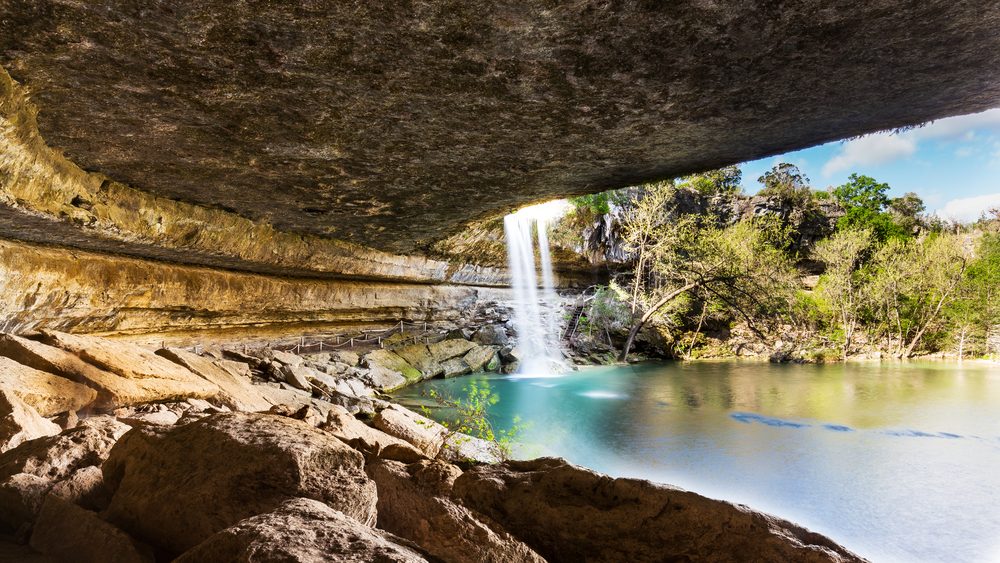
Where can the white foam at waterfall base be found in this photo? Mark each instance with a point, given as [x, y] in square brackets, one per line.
[535, 312]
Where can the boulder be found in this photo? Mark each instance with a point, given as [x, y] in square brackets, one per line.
[232, 377]
[302, 530]
[454, 367]
[31, 470]
[346, 357]
[85, 487]
[47, 393]
[462, 447]
[491, 335]
[450, 348]
[287, 358]
[176, 487]
[298, 376]
[412, 504]
[480, 357]
[19, 422]
[359, 435]
[567, 513]
[70, 533]
[113, 389]
[420, 357]
[389, 360]
[385, 380]
[423, 433]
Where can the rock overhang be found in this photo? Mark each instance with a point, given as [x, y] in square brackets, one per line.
[393, 125]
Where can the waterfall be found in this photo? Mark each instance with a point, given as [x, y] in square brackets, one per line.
[535, 312]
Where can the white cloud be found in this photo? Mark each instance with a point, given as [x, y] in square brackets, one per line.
[881, 148]
[870, 150]
[969, 208]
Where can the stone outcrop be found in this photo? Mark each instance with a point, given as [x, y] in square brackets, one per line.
[239, 465]
[413, 503]
[30, 471]
[302, 530]
[47, 393]
[19, 422]
[568, 513]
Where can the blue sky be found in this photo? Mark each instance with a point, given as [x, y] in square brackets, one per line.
[953, 163]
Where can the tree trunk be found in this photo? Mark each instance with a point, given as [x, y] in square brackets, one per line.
[961, 345]
[697, 331]
[649, 314]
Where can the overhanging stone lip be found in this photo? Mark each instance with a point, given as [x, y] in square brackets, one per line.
[393, 125]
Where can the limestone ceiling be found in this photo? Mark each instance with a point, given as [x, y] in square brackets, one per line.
[392, 124]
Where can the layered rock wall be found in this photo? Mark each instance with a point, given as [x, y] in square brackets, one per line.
[87, 292]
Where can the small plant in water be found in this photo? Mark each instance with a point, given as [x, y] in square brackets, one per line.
[470, 419]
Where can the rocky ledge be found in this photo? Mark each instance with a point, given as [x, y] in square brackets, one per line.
[114, 452]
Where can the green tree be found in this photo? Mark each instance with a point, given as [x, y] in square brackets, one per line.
[842, 285]
[976, 307]
[470, 418]
[739, 266]
[786, 182]
[643, 227]
[864, 201]
[906, 211]
[723, 181]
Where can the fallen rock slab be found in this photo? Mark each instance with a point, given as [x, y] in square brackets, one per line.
[302, 531]
[112, 389]
[410, 505]
[70, 533]
[238, 393]
[567, 513]
[19, 422]
[176, 487]
[31, 470]
[153, 374]
[47, 393]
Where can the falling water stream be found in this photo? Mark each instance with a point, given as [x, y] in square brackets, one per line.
[535, 312]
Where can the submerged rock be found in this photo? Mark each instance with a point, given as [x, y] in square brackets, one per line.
[302, 530]
[19, 422]
[176, 487]
[567, 513]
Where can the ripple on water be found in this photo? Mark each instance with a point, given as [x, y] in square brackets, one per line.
[749, 417]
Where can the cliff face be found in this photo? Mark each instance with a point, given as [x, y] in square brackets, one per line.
[88, 292]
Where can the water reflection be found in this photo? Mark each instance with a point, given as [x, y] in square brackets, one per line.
[898, 461]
